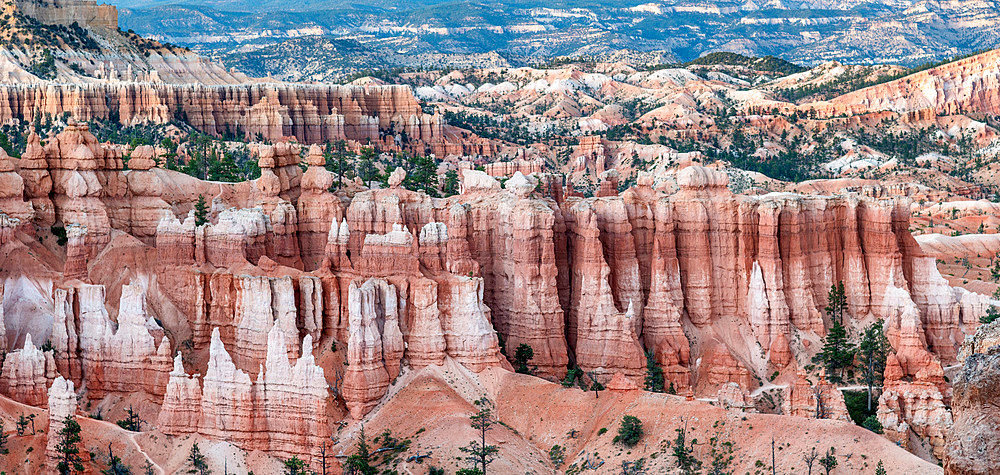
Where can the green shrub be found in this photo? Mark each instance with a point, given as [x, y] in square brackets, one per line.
[629, 432]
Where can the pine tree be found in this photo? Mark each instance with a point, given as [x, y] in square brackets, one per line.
[451, 183]
[654, 374]
[115, 465]
[992, 312]
[197, 461]
[295, 466]
[684, 453]
[360, 462]
[522, 355]
[595, 385]
[880, 469]
[837, 304]
[67, 447]
[131, 422]
[721, 452]
[3, 439]
[828, 462]
[421, 174]
[367, 170]
[224, 169]
[479, 453]
[629, 432]
[200, 211]
[837, 353]
[872, 352]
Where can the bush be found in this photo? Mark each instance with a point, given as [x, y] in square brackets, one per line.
[857, 406]
[557, 454]
[872, 424]
[629, 432]
[522, 355]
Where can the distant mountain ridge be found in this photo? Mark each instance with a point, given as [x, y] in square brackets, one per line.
[429, 33]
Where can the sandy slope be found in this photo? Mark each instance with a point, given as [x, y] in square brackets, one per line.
[431, 407]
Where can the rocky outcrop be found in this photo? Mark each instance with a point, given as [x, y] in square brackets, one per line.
[372, 348]
[310, 113]
[282, 413]
[964, 86]
[317, 209]
[61, 404]
[125, 360]
[293, 397]
[602, 334]
[468, 334]
[12, 192]
[914, 391]
[262, 303]
[85, 13]
[819, 400]
[972, 440]
[227, 405]
[719, 288]
[181, 409]
[27, 373]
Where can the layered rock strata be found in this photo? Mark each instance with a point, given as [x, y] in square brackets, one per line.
[61, 404]
[718, 288]
[972, 440]
[310, 113]
[27, 374]
[283, 412]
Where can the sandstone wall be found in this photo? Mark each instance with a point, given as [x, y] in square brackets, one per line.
[719, 288]
[310, 113]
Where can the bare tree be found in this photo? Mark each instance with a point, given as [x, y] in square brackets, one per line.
[810, 459]
[322, 453]
[818, 394]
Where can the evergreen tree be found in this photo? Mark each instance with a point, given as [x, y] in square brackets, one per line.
[684, 453]
[115, 465]
[572, 377]
[837, 302]
[522, 355]
[197, 461]
[131, 422]
[295, 466]
[872, 352]
[992, 312]
[8, 147]
[200, 211]
[194, 166]
[872, 424]
[225, 169]
[336, 155]
[828, 462]
[595, 385]
[478, 452]
[421, 174]
[360, 462]
[367, 170]
[880, 469]
[3, 439]
[837, 353]
[721, 452]
[451, 183]
[67, 447]
[654, 374]
[629, 432]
